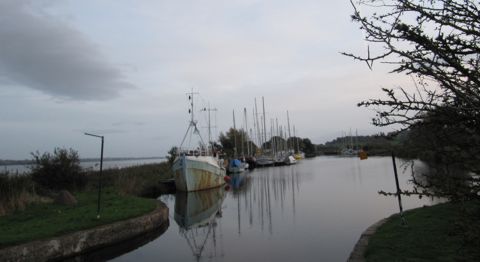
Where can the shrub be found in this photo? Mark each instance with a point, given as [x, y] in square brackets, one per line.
[58, 171]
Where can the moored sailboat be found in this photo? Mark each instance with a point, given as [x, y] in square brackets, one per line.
[199, 168]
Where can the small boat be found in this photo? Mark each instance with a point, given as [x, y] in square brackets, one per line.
[299, 156]
[236, 166]
[264, 160]
[200, 168]
[290, 160]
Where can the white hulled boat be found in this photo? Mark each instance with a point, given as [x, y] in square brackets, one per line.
[200, 168]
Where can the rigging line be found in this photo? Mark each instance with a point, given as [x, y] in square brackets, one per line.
[185, 136]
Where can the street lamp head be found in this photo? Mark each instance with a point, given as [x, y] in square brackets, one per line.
[88, 134]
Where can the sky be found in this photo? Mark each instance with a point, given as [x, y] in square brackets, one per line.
[122, 68]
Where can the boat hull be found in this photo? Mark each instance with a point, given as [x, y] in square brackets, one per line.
[193, 173]
[265, 161]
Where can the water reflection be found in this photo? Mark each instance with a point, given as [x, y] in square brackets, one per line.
[260, 195]
[312, 211]
[196, 214]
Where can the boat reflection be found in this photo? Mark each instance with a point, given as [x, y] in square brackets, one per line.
[196, 214]
[239, 181]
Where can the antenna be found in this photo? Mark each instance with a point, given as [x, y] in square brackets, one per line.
[193, 123]
[208, 109]
[190, 110]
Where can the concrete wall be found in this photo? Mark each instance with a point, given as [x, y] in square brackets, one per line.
[87, 240]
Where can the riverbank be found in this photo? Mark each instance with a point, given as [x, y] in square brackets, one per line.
[432, 234]
[44, 220]
[49, 231]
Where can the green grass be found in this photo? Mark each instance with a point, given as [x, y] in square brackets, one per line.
[432, 234]
[44, 220]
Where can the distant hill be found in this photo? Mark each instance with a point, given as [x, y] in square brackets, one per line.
[29, 162]
[379, 144]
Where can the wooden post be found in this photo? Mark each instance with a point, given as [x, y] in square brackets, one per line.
[404, 222]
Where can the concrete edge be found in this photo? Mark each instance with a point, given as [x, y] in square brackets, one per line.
[358, 252]
[79, 242]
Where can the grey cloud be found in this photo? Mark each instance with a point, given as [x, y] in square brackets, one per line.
[46, 54]
[129, 123]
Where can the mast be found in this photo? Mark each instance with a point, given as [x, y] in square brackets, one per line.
[288, 122]
[264, 123]
[356, 139]
[351, 139]
[209, 126]
[193, 123]
[210, 144]
[234, 136]
[272, 139]
[246, 128]
[258, 125]
[296, 140]
[190, 97]
[276, 136]
[253, 133]
[242, 140]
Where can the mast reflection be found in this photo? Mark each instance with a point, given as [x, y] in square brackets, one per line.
[265, 195]
[196, 214]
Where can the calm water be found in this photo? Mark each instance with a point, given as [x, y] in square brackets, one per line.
[312, 211]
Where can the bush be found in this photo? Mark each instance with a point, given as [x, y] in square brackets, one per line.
[58, 171]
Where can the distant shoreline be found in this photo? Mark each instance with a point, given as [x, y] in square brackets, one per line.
[85, 160]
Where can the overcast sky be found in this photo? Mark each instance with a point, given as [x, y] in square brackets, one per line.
[121, 68]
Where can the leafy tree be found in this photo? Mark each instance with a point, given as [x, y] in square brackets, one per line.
[57, 171]
[295, 143]
[308, 148]
[279, 142]
[234, 137]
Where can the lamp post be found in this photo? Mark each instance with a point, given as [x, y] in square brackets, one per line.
[100, 176]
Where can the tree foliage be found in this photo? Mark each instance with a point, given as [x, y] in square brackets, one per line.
[235, 137]
[57, 171]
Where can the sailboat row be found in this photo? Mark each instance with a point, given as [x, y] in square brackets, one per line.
[202, 166]
[282, 148]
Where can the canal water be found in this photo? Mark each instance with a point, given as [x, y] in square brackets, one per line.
[312, 211]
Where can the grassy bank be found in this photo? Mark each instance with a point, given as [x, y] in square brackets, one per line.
[44, 220]
[17, 191]
[433, 234]
[141, 180]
